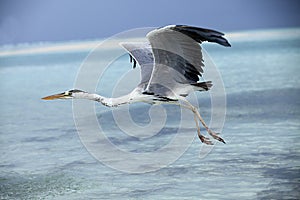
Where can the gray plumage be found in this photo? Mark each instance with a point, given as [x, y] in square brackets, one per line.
[171, 64]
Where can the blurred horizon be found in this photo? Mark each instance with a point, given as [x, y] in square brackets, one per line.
[59, 21]
[89, 44]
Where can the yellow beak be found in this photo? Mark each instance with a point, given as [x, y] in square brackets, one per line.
[56, 96]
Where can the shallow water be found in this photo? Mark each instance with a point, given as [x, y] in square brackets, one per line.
[42, 156]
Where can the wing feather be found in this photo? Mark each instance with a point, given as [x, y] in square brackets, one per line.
[142, 54]
[178, 58]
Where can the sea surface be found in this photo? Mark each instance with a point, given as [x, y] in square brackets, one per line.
[43, 156]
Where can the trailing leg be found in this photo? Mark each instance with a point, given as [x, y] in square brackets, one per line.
[201, 137]
[213, 134]
[197, 114]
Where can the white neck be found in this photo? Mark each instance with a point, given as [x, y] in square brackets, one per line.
[110, 102]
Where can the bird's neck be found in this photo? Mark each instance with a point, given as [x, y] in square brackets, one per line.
[110, 102]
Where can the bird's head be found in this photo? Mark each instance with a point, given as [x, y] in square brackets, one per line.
[66, 95]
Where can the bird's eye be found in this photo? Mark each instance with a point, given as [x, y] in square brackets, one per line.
[67, 93]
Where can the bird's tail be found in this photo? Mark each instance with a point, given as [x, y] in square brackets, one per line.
[202, 86]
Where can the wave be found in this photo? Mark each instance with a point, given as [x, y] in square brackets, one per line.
[280, 103]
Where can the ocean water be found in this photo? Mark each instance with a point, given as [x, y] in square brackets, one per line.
[44, 157]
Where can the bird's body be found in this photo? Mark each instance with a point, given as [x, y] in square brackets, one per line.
[171, 64]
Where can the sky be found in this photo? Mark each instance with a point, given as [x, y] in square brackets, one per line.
[31, 21]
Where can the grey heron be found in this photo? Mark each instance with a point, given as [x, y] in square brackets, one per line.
[171, 64]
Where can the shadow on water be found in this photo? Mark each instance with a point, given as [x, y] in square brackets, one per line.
[266, 104]
[285, 183]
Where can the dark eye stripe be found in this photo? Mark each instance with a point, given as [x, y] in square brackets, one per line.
[75, 90]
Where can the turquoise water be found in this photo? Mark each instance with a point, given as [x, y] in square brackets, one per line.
[42, 156]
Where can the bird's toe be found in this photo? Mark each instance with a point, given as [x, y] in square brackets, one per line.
[205, 140]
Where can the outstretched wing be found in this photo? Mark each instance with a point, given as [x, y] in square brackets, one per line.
[178, 58]
[142, 54]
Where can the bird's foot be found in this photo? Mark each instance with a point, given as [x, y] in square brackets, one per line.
[216, 137]
[205, 140]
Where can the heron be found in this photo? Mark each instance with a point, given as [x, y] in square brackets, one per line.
[171, 65]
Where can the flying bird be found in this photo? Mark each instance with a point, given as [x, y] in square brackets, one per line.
[171, 66]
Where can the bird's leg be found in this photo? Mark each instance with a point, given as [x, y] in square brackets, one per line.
[213, 134]
[201, 137]
[196, 113]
